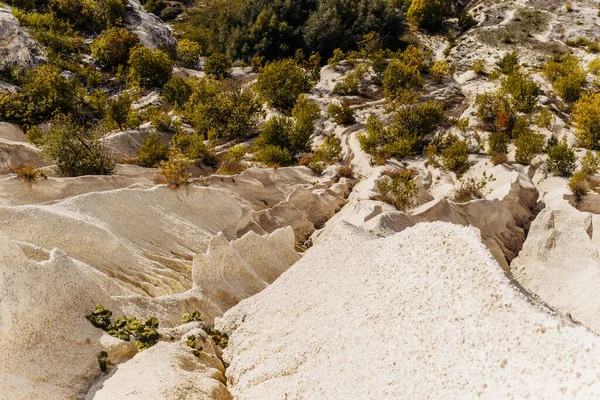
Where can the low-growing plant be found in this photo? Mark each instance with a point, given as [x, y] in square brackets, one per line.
[398, 188]
[112, 47]
[472, 188]
[103, 361]
[188, 53]
[281, 83]
[562, 160]
[274, 156]
[566, 75]
[29, 173]
[118, 110]
[175, 169]
[544, 119]
[594, 66]
[440, 70]
[193, 316]
[342, 113]
[149, 68]
[579, 186]
[523, 90]
[509, 63]
[479, 67]
[177, 91]
[496, 111]
[219, 338]
[399, 77]
[590, 163]
[455, 155]
[346, 171]
[336, 58]
[498, 143]
[195, 343]
[349, 86]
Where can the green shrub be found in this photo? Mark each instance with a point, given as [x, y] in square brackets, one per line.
[177, 92]
[152, 151]
[188, 53]
[562, 160]
[226, 108]
[455, 155]
[76, 150]
[479, 67]
[544, 119]
[349, 86]
[171, 12]
[400, 76]
[440, 70]
[149, 68]
[398, 188]
[590, 164]
[194, 148]
[112, 47]
[281, 83]
[103, 362]
[509, 63]
[529, 145]
[155, 6]
[498, 143]
[175, 170]
[218, 66]
[586, 118]
[594, 66]
[566, 75]
[337, 57]
[579, 186]
[191, 317]
[496, 111]
[472, 188]
[523, 90]
[466, 20]
[342, 113]
[428, 13]
[274, 156]
[329, 152]
[118, 109]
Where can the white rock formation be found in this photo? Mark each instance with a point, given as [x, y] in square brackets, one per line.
[150, 29]
[16, 46]
[15, 150]
[424, 313]
[560, 263]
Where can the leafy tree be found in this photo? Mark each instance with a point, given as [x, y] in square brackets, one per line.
[188, 53]
[281, 83]
[111, 48]
[77, 151]
[218, 66]
[149, 68]
[586, 118]
[428, 13]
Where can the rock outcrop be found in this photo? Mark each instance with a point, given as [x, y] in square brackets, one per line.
[150, 29]
[426, 312]
[16, 46]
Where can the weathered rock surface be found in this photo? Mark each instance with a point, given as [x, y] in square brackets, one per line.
[426, 312]
[15, 150]
[16, 46]
[150, 29]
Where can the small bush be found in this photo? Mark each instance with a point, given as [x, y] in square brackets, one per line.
[112, 47]
[342, 113]
[498, 143]
[562, 160]
[345, 171]
[348, 86]
[590, 164]
[218, 66]
[544, 119]
[440, 70]
[579, 185]
[149, 68]
[103, 362]
[529, 144]
[455, 155]
[523, 90]
[509, 63]
[337, 57]
[171, 12]
[594, 66]
[586, 118]
[281, 83]
[191, 317]
[177, 91]
[399, 77]
[466, 20]
[175, 170]
[479, 67]
[152, 151]
[29, 173]
[566, 75]
[273, 156]
[194, 148]
[118, 110]
[188, 53]
[472, 188]
[428, 14]
[397, 188]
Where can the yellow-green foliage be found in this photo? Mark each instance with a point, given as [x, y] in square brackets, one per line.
[586, 118]
[177, 91]
[397, 187]
[349, 85]
[522, 89]
[400, 76]
[544, 119]
[149, 68]
[111, 48]
[342, 113]
[472, 188]
[455, 155]
[440, 70]
[428, 13]
[562, 160]
[590, 164]
[479, 66]
[191, 317]
[118, 109]
[529, 144]
[578, 184]
[188, 53]
[175, 170]
[218, 65]
[594, 66]
[496, 111]
[336, 58]
[281, 83]
[567, 76]
[152, 151]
